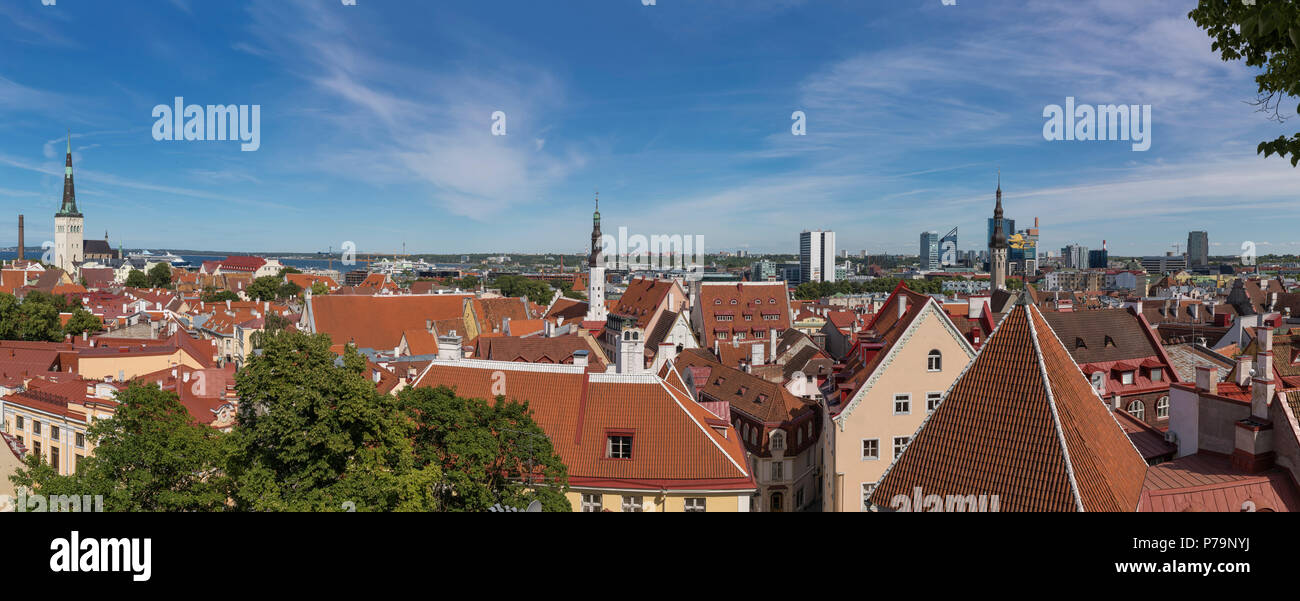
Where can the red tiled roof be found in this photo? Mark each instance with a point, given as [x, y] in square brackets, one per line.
[672, 447]
[377, 322]
[1209, 483]
[768, 302]
[1024, 424]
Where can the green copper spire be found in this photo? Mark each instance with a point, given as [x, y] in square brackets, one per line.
[69, 208]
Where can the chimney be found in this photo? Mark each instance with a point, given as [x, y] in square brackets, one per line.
[1253, 451]
[227, 304]
[1116, 402]
[666, 352]
[1196, 311]
[1207, 379]
[1244, 371]
[756, 353]
[902, 305]
[580, 358]
[21, 256]
[377, 376]
[1263, 385]
[772, 343]
[449, 346]
[428, 325]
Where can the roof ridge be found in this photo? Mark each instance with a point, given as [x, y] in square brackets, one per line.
[1051, 404]
[707, 431]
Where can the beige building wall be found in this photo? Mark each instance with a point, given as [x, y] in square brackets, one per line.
[874, 418]
[130, 366]
[673, 502]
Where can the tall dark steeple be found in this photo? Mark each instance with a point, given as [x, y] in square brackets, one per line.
[999, 234]
[596, 258]
[69, 208]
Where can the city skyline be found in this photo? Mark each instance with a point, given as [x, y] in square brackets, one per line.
[701, 133]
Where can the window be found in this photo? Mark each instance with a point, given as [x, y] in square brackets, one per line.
[1136, 409]
[631, 504]
[54, 458]
[778, 441]
[902, 404]
[934, 362]
[1157, 374]
[867, 489]
[36, 448]
[21, 441]
[778, 502]
[695, 505]
[871, 448]
[778, 471]
[591, 503]
[54, 432]
[619, 447]
[1126, 378]
[798, 498]
[724, 318]
[36, 427]
[18, 422]
[1162, 407]
[932, 401]
[900, 443]
[81, 440]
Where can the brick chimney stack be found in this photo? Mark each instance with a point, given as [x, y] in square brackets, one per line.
[1253, 451]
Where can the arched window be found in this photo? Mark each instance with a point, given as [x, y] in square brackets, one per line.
[778, 503]
[1162, 407]
[934, 362]
[1137, 409]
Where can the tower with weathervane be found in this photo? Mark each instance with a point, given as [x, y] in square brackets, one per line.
[68, 224]
[596, 309]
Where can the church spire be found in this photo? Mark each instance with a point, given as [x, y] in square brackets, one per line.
[595, 258]
[69, 208]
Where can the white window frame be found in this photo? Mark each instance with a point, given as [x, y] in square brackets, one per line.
[865, 457]
[630, 506]
[700, 507]
[1162, 407]
[932, 400]
[898, 450]
[1157, 374]
[905, 397]
[930, 360]
[1140, 413]
[867, 489]
[1126, 378]
[778, 471]
[592, 502]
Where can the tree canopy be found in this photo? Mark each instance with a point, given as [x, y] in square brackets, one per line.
[1266, 35]
[488, 453]
[150, 456]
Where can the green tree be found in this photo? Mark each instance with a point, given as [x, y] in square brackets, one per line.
[516, 285]
[151, 456]
[286, 270]
[314, 435]
[38, 321]
[213, 295]
[489, 453]
[289, 290]
[82, 321]
[265, 288]
[319, 288]
[160, 276]
[1266, 35]
[137, 279]
[8, 316]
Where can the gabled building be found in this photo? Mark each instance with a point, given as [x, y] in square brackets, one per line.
[778, 428]
[895, 376]
[739, 312]
[655, 306]
[631, 442]
[1124, 361]
[1022, 429]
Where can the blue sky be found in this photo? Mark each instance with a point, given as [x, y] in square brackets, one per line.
[376, 123]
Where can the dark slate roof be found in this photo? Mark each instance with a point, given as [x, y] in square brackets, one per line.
[1106, 334]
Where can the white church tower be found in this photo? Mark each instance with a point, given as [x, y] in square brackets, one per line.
[68, 224]
[596, 310]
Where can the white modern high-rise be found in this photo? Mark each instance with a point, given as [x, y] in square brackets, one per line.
[816, 256]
